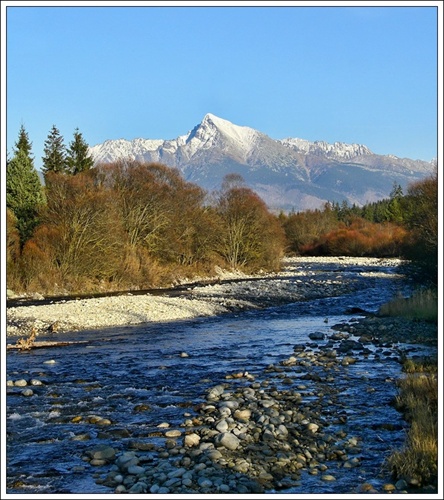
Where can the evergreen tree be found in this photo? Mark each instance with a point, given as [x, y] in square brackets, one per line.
[78, 159]
[24, 191]
[55, 153]
[23, 143]
[395, 208]
[396, 192]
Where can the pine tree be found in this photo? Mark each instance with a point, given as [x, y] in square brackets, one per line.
[78, 159]
[24, 191]
[55, 153]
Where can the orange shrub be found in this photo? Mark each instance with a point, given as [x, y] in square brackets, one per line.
[360, 238]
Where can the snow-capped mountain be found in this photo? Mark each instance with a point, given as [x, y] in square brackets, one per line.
[288, 174]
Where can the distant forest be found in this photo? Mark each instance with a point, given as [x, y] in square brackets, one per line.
[133, 225]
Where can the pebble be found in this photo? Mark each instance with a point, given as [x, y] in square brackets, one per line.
[21, 383]
[173, 433]
[328, 477]
[258, 430]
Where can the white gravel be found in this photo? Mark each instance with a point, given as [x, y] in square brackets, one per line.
[103, 312]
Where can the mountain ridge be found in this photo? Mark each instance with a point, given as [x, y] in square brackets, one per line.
[288, 174]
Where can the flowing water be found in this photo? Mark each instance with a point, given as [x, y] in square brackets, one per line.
[134, 376]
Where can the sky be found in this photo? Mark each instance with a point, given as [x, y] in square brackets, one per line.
[355, 74]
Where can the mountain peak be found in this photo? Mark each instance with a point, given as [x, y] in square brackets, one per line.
[243, 137]
[288, 173]
[211, 117]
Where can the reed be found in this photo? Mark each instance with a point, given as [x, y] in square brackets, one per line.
[418, 400]
[422, 305]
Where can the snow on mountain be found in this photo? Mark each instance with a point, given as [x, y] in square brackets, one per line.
[211, 132]
[338, 150]
[112, 150]
[288, 174]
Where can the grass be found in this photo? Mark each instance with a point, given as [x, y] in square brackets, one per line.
[422, 305]
[418, 400]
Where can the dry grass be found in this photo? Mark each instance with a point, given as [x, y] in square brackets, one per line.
[422, 305]
[418, 400]
[26, 344]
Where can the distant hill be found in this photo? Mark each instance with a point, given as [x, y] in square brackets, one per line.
[288, 174]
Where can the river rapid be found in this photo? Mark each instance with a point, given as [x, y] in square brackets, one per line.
[135, 378]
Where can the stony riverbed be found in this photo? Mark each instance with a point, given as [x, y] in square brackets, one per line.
[290, 398]
[256, 434]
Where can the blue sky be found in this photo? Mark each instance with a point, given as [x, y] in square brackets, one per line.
[354, 74]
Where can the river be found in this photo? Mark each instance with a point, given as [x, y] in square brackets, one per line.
[121, 370]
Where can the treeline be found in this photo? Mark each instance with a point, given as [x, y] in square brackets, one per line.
[132, 225]
[404, 225]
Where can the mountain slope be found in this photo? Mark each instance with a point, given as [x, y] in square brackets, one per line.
[288, 174]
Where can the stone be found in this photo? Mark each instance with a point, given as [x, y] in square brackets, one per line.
[204, 482]
[232, 404]
[126, 460]
[311, 427]
[214, 455]
[98, 462]
[366, 488]
[282, 430]
[163, 490]
[173, 433]
[227, 440]
[316, 336]
[139, 487]
[103, 421]
[173, 482]
[135, 469]
[102, 452]
[348, 360]
[401, 484]
[216, 391]
[191, 440]
[21, 383]
[81, 437]
[242, 415]
[389, 487]
[222, 426]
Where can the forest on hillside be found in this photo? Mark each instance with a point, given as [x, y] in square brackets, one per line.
[132, 225]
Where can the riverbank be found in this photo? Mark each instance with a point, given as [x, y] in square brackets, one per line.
[229, 293]
[285, 399]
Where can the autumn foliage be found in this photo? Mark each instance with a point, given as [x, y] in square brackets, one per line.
[135, 225]
[361, 238]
